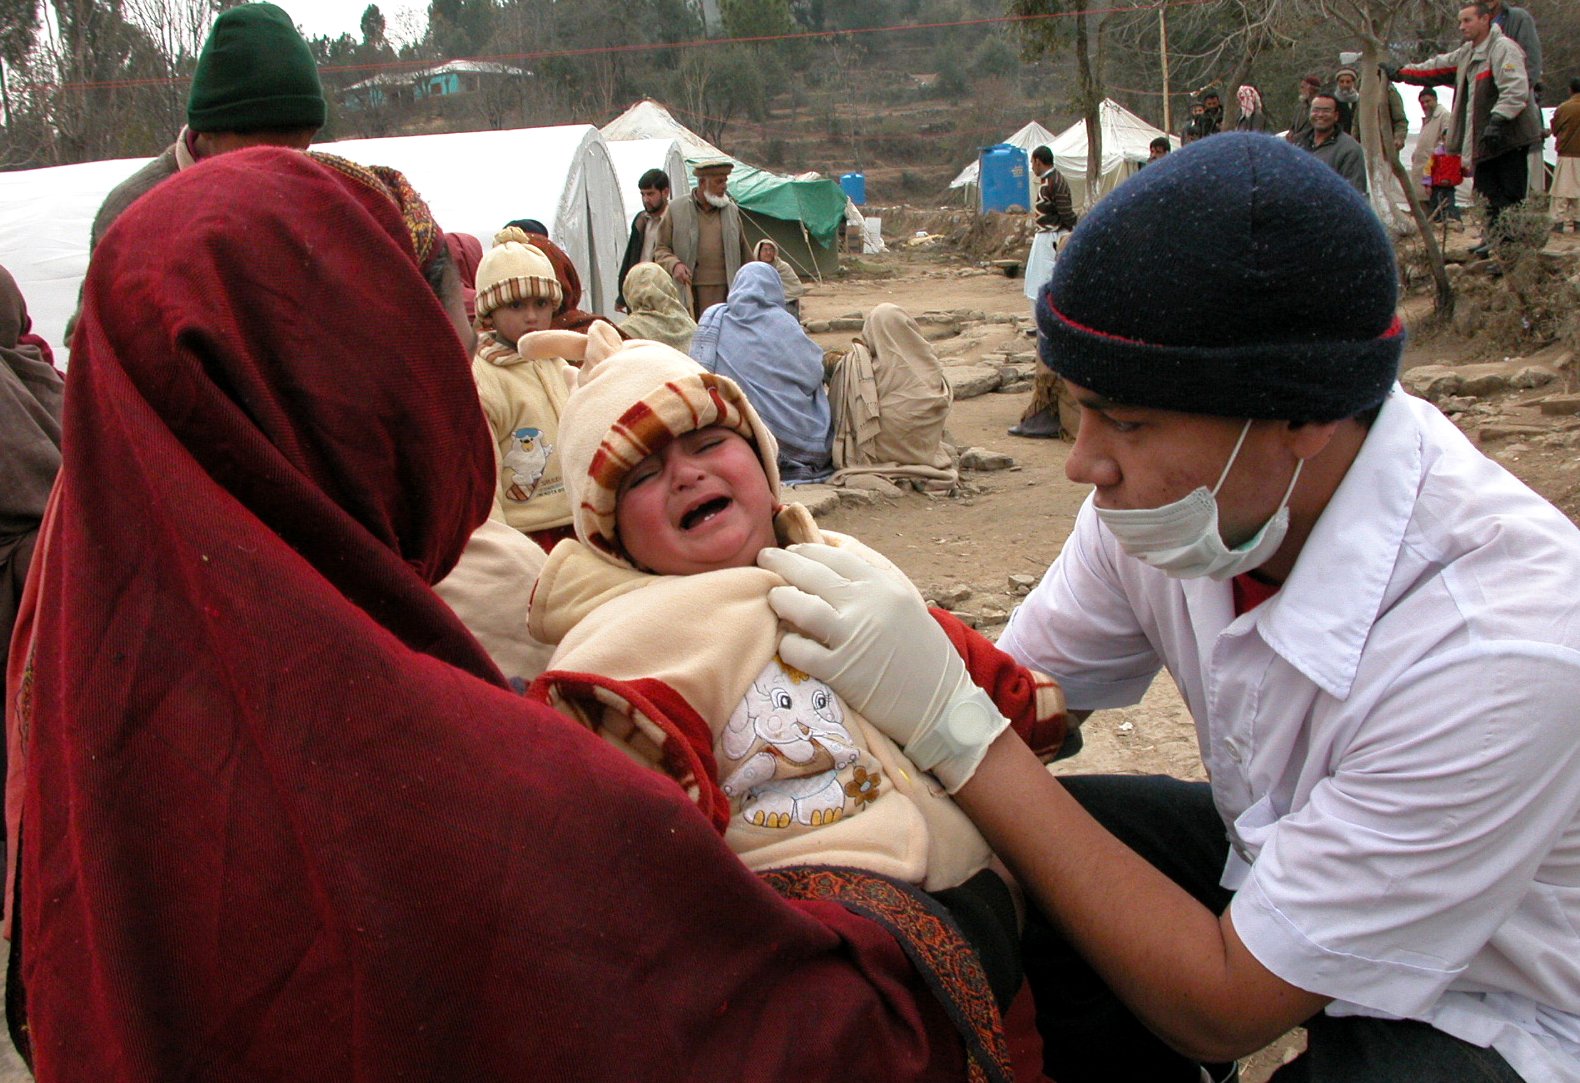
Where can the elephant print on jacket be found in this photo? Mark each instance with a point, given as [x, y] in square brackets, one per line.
[783, 748]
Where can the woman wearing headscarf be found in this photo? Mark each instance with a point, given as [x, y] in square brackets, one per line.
[466, 252]
[890, 402]
[657, 312]
[752, 339]
[1253, 118]
[281, 817]
[30, 402]
[767, 251]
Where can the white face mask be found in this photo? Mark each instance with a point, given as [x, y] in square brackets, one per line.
[1181, 539]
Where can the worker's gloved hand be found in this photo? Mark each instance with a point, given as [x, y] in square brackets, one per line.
[1495, 137]
[866, 633]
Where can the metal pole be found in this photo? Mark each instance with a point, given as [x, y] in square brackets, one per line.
[1163, 54]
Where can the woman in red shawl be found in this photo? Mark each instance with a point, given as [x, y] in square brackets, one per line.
[281, 818]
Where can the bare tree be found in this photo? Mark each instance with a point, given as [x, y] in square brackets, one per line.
[177, 29]
[1044, 36]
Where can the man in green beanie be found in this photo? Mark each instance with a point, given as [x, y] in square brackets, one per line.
[256, 84]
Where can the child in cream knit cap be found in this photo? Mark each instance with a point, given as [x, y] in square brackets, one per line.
[665, 643]
[523, 398]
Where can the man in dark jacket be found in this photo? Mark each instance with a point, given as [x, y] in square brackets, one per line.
[1331, 144]
[1495, 120]
[654, 186]
[256, 85]
[1055, 206]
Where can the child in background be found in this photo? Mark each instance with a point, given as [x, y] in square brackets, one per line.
[517, 293]
[666, 645]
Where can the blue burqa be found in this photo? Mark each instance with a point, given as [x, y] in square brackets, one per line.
[754, 341]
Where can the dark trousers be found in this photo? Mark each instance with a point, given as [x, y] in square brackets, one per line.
[1502, 181]
[1089, 1035]
[1443, 205]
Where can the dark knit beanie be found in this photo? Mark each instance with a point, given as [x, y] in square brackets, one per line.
[1239, 277]
[255, 72]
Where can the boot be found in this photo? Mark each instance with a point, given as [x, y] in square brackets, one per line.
[1043, 425]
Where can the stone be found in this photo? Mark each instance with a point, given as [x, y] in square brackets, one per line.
[846, 323]
[952, 595]
[976, 458]
[992, 614]
[858, 498]
[1506, 430]
[1532, 376]
[970, 620]
[817, 499]
[1560, 405]
[969, 381]
[1431, 382]
[818, 327]
[1488, 378]
[1020, 583]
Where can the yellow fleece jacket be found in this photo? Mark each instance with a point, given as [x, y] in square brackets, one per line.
[523, 399]
[682, 672]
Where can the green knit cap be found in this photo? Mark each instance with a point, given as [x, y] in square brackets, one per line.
[255, 72]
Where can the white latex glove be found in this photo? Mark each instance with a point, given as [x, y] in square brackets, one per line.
[866, 633]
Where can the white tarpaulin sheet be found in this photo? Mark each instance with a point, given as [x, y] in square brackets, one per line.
[44, 235]
[475, 182]
[633, 157]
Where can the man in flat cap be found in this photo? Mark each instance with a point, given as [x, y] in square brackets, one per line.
[700, 240]
[256, 84]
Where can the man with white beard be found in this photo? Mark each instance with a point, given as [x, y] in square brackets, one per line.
[700, 241]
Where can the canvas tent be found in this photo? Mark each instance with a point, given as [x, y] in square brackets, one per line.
[1127, 143]
[633, 157]
[1028, 139]
[562, 176]
[801, 214]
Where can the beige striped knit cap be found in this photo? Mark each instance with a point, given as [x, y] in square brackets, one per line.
[514, 270]
[631, 399]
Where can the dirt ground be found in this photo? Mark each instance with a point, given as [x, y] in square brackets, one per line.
[1014, 521]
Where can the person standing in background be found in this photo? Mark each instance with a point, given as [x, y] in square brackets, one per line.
[654, 186]
[1566, 178]
[701, 241]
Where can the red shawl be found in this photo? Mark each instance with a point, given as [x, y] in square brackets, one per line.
[282, 820]
[467, 252]
[567, 317]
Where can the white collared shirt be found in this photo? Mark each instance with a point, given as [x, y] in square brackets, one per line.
[1393, 738]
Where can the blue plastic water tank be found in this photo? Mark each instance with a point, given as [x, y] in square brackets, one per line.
[854, 186]
[1001, 178]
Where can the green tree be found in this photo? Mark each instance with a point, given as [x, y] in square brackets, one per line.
[373, 28]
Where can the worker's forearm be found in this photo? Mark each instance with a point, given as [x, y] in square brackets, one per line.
[1177, 965]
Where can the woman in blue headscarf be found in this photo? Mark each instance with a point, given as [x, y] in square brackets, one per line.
[753, 340]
